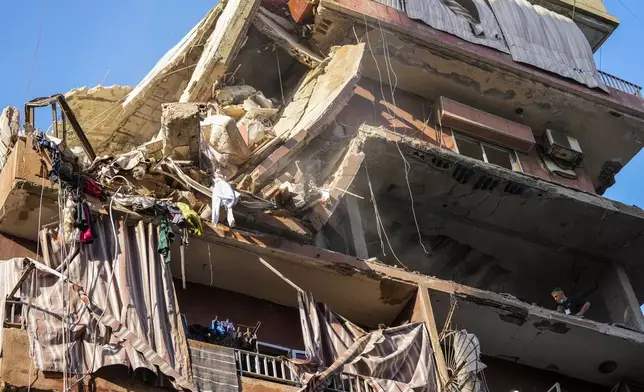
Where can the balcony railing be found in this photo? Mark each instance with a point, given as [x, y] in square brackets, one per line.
[250, 364]
[13, 315]
[264, 366]
[620, 84]
[273, 369]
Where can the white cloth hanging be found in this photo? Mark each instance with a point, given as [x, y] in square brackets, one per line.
[223, 195]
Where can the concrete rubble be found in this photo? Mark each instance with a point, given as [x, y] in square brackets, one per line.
[211, 108]
[200, 116]
[260, 120]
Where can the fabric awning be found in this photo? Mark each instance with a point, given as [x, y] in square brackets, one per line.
[126, 313]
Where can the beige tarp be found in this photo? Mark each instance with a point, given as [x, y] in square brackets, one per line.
[131, 292]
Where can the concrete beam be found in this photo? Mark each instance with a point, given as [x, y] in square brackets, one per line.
[284, 40]
[221, 49]
[423, 312]
[341, 181]
[322, 94]
[620, 298]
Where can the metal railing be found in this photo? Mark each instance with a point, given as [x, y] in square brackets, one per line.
[620, 84]
[264, 366]
[348, 382]
[13, 313]
[273, 369]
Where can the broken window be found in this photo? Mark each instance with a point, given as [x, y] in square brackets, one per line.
[487, 152]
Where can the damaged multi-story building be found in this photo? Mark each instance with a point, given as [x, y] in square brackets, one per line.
[341, 195]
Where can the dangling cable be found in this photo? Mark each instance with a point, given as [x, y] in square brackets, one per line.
[381, 226]
[393, 85]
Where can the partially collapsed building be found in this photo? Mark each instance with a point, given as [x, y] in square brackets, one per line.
[340, 195]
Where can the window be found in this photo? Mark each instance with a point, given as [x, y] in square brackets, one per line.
[279, 351]
[486, 152]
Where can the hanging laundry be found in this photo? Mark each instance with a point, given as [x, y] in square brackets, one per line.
[87, 233]
[192, 219]
[171, 211]
[68, 219]
[92, 188]
[223, 195]
[166, 237]
[136, 203]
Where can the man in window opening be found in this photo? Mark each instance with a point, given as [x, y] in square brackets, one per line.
[574, 306]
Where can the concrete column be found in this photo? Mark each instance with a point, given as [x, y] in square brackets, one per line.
[356, 229]
[423, 312]
[620, 298]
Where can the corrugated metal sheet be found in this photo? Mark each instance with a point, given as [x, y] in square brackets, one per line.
[438, 15]
[547, 40]
[397, 4]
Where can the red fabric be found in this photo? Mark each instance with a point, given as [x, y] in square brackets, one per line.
[93, 188]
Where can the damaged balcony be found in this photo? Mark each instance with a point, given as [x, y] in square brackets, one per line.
[488, 227]
[607, 122]
[252, 139]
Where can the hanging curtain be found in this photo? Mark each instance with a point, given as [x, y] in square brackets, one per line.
[127, 312]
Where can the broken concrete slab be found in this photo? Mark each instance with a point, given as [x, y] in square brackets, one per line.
[220, 49]
[97, 110]
[140, 117]
[180, 131]
[320, 97]
[265, 23]
[224, 136]
[9, 128]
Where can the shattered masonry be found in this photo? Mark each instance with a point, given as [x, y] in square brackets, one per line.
[427, 170]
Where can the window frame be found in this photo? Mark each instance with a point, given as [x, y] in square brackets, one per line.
[515, 162]
[290, 352]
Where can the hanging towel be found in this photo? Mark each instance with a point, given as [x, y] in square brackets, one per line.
[223, 195]
[192, 218]
[166, 237]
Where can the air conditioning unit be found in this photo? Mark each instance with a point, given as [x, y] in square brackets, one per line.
[565, 150]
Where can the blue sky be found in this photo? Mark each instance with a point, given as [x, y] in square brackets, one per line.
[117, 42]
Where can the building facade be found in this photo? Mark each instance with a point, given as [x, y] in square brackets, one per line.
[387, 191]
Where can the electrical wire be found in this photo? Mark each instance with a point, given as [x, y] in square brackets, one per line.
[380, 225]
[42, 192]
[393, 85]
[33, 64]
[632, 13]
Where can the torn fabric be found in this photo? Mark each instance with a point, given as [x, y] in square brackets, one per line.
[10, 272]
[392, 359]
[546, 40]
[135, 290]
[223, 195]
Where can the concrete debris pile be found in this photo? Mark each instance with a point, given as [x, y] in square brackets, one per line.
[226, 123]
